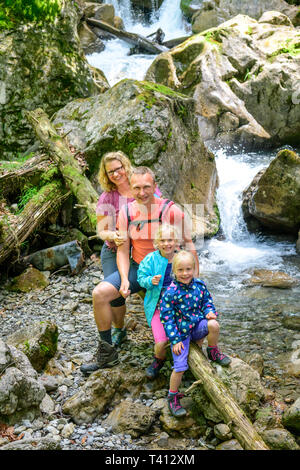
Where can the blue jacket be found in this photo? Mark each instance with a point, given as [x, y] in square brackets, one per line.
[152, 265]
[182, 306]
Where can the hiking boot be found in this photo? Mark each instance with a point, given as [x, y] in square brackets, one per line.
[106, 356]
[153, 370]
[215, 355]
[118, 335]
[174, 405]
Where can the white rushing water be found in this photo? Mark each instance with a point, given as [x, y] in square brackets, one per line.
[239, 249]
[115, 62]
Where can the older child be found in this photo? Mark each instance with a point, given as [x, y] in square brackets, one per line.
[187, 313]
[154, 274]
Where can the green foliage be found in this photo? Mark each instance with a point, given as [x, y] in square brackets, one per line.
[287, 48]
[27, 193]
[15, 12]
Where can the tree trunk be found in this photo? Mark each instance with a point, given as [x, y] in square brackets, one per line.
[131, 38]
[70, 169]
[220, 396]
[17, 228]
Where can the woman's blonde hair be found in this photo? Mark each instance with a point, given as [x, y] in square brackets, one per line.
[180, 256]
[162, 229]
[105, 183]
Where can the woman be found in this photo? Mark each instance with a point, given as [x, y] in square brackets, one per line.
[114, 174]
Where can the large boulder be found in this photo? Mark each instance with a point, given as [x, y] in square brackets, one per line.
[20, 391]
[38, 341]
[40, 65]
[211, 13]
[131, 418]
[154, 126]
[243, 76]
[273, 197]
[100, 390]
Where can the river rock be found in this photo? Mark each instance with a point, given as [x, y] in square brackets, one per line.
[41, 66]
[42, 443]
[192, 425]
[38, 341]
[131, 418]
[293, 366]
[154, 126]
[211, 13]
[256, 361]
[274, 198]
[222, 432]
[279, 439]
[20, 391]
[235, 73]
[30, 279]
[292, 322]
[233, 444]
[89, 41]
[100, 389]
[267, 278]
[291, 417]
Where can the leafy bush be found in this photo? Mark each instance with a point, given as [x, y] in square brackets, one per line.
[14, 12]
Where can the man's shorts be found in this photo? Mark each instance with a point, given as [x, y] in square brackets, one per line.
[199, 331]
[115, 279]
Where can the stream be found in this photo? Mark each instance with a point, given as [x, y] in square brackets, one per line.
[251, 317]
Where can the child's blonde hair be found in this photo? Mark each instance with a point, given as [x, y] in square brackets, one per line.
[161, 230]
[180, 256]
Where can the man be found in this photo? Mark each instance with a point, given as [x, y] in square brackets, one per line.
[139, 221]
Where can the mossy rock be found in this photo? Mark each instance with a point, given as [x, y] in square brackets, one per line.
[38, 341]
[31, 279]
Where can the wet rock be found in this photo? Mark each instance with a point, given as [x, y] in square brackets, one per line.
[267, 278]
[292, 322]
[43, 443]
[279, 439]
[222, 432]
[90, 42]
[31, 279]
[38, 342]
[130, 418]
[291, 418]
[274, 197]
[265, 419]
[255, 361]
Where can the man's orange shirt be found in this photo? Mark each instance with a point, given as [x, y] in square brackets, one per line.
[142, 236]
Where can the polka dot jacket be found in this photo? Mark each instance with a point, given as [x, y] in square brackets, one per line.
[182, 306]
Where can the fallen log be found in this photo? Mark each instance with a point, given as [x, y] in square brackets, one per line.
[222, 399]
[15, 175]
[68, 166]
[132, 38]
[17, 228]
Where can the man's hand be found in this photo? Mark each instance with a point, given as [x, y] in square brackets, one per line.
[177, 348]
[211, 316]
[155, 280]
[124, 288]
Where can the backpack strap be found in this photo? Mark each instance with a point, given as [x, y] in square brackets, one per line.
[140, 223]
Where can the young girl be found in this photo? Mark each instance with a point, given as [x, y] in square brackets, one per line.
[187, 313]
[154, 274]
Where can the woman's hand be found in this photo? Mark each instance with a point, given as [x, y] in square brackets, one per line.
[155, 280]
[177, 348]
[119, 238]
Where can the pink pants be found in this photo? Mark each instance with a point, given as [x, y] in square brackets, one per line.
[157, 328]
